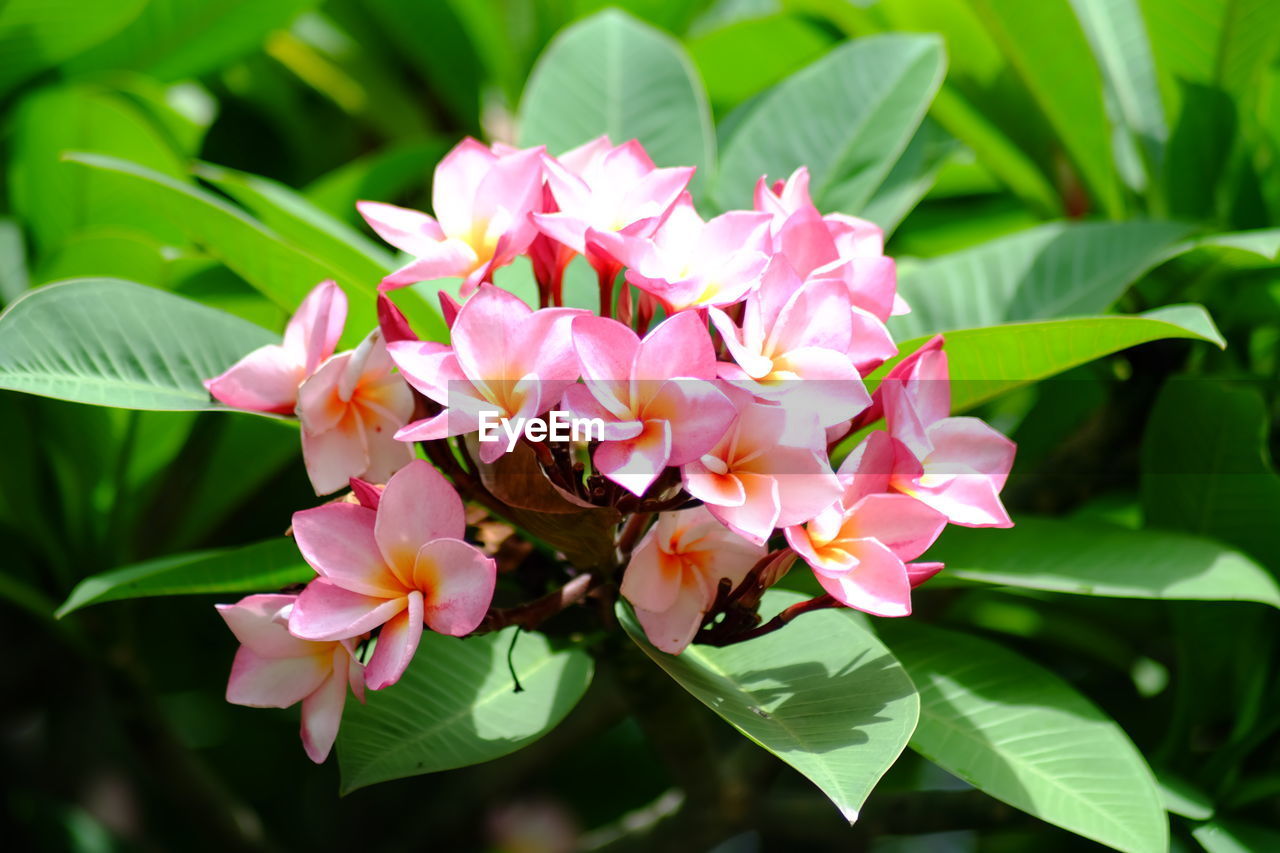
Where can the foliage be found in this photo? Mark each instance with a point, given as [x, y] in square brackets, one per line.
[1084, 195]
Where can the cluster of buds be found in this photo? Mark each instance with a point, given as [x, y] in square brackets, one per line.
[706, 394]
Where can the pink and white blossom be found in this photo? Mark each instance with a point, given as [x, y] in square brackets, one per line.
[692, 263]
[861, 548]
[676, 569]
[393, 568]
[957, 465]
[651, 394]
[507, 360]
[604, 194]
[769, 470]
[350, 410]
[267, 379]
[482, 200]
[792, 345]
[274, 669]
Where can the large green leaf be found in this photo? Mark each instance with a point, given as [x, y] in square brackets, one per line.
[1046, 47]
[457, 705]
[612, 74]
[1023, 735]
[1055, 270]
[822, 694]
[281, 269]
[264, 567]
[1118, 36]
[1092, 558]
[986, 363]
[776, 45]
[296, 219]
[847, 117]
[56, 199]
[38, 34]
[1206, 468]
[117, 343]
[174, 39]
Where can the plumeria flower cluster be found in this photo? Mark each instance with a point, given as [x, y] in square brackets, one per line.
[724, 365]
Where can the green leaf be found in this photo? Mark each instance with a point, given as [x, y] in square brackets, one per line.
[283, 270]
[117, 343]
[1091, 558]
[14, 277]
[1118, 36]
[382, 176]
[1055, 270]
[1206, 468]
[1023, 735]
[262, 567]
[776, 45]
[614, 75]
[912, 177]
[56, 199]
[296, 219]
[847, 117]
[1046, 47]
[1236, 836]
[988, 362]
[1183, 798]
[39, 34]
[456, 705]
[822, 694]
[175, 39]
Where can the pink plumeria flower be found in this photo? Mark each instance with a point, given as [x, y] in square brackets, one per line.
[689, 263]
[861, 548]
[651, 394]
[482, 201]
[274, 669]
[831, 246]
[769, 470]
[507, 361]
[350, 410]
[955, 465]
[398, 566]
[793, 345]
[605, 193]
[675, 571]
[267, 379]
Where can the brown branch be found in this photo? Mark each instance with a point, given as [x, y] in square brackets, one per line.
[531, 614]
[822, 602]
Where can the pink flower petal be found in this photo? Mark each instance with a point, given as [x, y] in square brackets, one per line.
[337, 540]
[322, 711]
[408, 230]
[257, 622]
[457, 581]
[672, 630]
[397, 643]
[325, 611]
[637, 462]
[903, 525]
[262, 682]
[314, 330]
[418, 505]
[877, 585]
[265, 380]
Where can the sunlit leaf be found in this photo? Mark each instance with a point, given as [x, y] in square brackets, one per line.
[457, 705]
[1023, 735]
[823, 695]
[117, 343]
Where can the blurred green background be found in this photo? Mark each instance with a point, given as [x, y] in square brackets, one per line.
[1157, 120]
